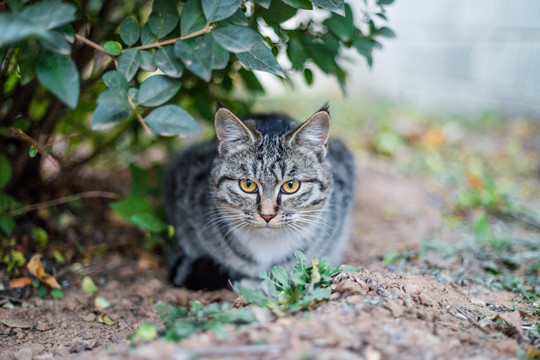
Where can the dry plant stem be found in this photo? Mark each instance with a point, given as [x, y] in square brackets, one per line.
[62, 200]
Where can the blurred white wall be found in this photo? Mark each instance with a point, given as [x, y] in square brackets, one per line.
[459, 55]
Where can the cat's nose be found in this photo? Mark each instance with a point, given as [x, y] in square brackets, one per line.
[268, 217]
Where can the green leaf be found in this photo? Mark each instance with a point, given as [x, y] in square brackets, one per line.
[235, 38]
[216, 10]
[336, 6]
[259, 57]
[113, 48]
[238, 18]
[385, 2]
[56, 42]
[57, 294]
[201, 54]
[299, 4]
[5, 170]
[129, 63]
[192, 17]
[147, 61]
[147, 36]
[106, 116]
[49, 14]
[115, 80]
[171, 120]
[386, 32]
[342, 27]
[280, 275]
[7, 225]
[251, 81]
[253, 296]
[148, 222]
[301, 258]
[130, 31]
[132, 206]
[296, 53]
[88, 285]
[157, 90]
[308, 76]
[114, 97]
[14, 29]
[164, 17]
[167, 62]
[264, 3]
[147, 331]
[364, 48]
[133, 93]
[59, 74]
[278, 13]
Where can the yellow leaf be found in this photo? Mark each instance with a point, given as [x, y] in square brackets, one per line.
[433, 139]
[36, 268]
[105, 319]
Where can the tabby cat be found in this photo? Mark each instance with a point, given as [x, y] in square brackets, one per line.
[267, 187]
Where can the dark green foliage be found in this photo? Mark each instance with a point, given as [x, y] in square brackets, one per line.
[95, 59]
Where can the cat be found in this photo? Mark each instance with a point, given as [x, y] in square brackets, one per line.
[268, 186]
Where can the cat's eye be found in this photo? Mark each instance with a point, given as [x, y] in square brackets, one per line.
[290, 187]
[248, 186]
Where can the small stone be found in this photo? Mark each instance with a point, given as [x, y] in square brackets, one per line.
[425, 300]
[77, 345]
[23, 354]
[412, 289]
[16, 323]
[394, 308]
[478, 302]
[43, 326]
[90, 317]
[44, 356]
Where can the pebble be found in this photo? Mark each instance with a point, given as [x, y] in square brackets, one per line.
[43, 326]
[23, 354]
[77, 345]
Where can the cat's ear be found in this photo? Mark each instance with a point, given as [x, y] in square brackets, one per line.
[313, 132]
[230, 129]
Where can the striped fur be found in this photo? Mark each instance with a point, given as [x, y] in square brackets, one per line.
[220, 230]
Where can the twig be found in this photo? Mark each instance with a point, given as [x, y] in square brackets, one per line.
[203, 31]
[139, 116]
[91, 44]
[21, 135]
[62, 200]
[98, 47]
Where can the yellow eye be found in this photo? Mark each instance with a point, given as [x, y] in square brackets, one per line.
[248, 185]
[290, 187]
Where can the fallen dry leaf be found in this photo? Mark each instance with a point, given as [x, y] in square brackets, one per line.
[20, 282]
[433, 139]
[16, 323]
[513, 318]
[36, 268]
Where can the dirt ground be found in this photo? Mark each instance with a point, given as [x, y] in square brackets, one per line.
[375, 313]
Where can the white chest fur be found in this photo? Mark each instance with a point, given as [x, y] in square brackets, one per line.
[269, 245]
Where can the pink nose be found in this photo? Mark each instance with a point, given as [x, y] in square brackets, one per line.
[268, 217]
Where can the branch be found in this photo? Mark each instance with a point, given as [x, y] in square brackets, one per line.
[98, 47]
[62, 200]
[203, 31]
[91, 44]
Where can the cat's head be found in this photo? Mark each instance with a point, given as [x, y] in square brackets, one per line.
[273, 179]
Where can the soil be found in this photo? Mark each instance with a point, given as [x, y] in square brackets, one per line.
[373, 314]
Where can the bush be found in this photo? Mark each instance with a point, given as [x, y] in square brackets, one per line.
[133, 69]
